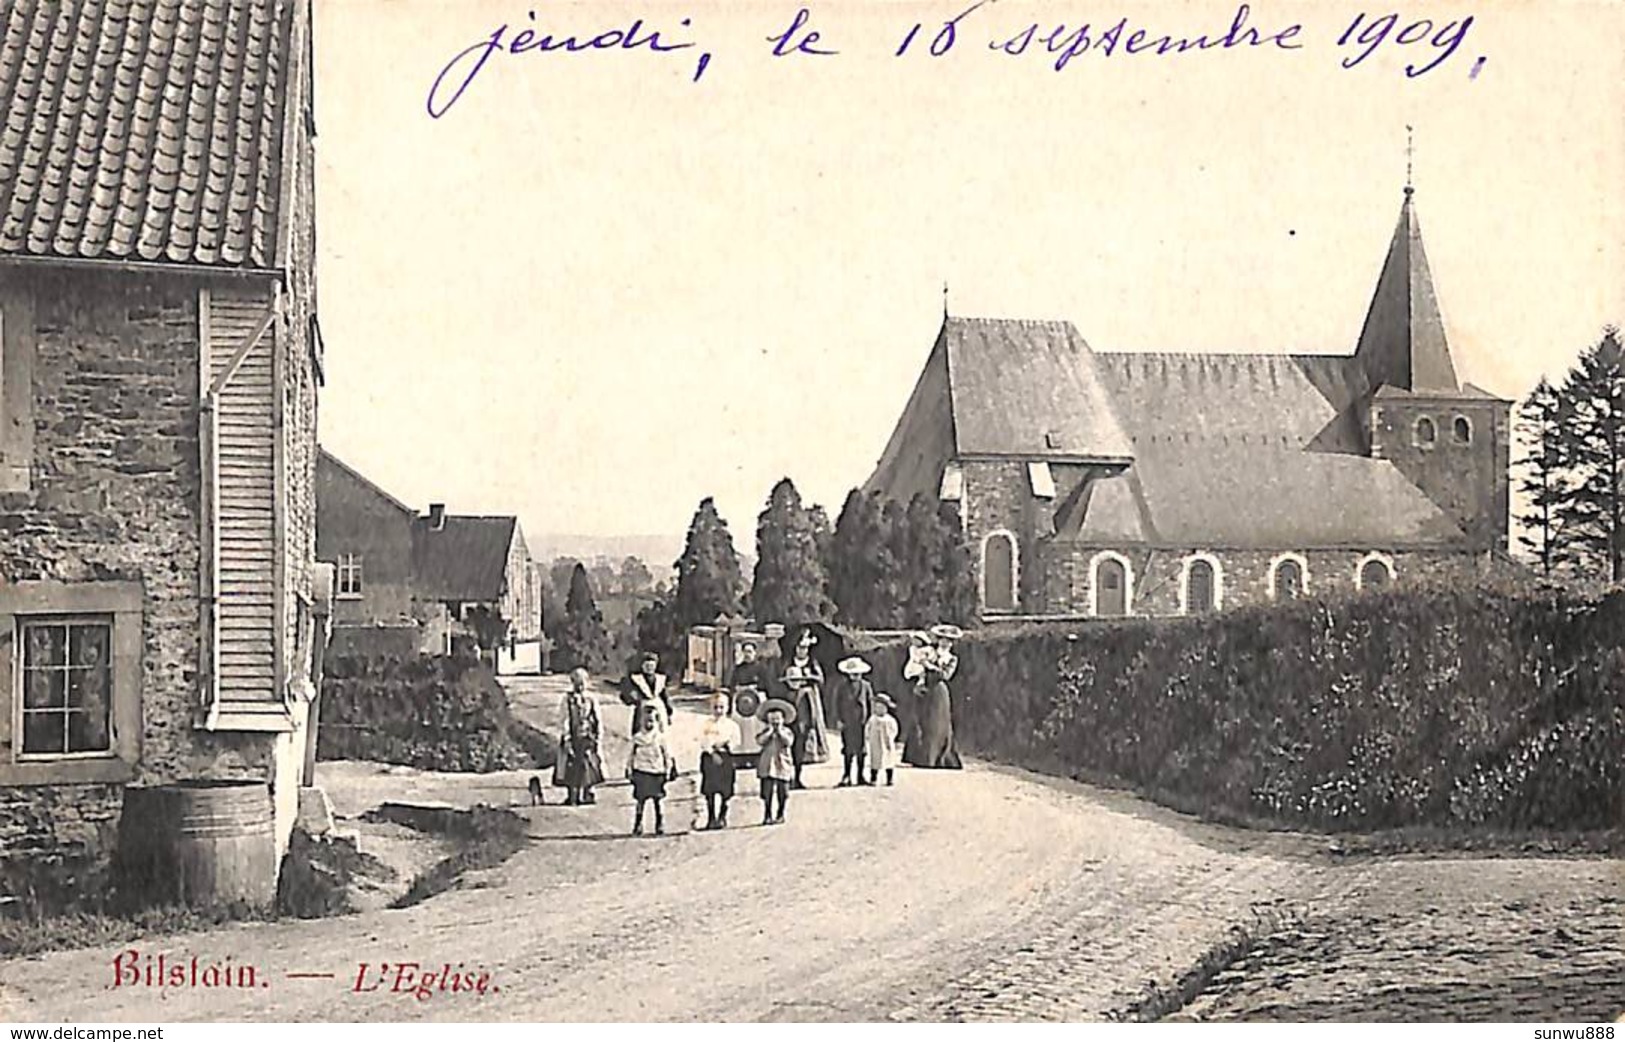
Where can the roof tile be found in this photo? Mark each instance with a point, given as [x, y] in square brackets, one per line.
[149, 129]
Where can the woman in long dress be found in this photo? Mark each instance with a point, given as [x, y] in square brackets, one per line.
[583, 765]
[932, 737]
[804, 682]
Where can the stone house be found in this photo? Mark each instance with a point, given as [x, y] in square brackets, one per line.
[159, 368]
[1095, 484]
[425, 578]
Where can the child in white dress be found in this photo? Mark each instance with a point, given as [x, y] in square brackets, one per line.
[880, 740]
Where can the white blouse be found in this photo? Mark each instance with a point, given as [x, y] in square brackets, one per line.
[718, 732]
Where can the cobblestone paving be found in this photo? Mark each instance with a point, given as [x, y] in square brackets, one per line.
[1442, 940]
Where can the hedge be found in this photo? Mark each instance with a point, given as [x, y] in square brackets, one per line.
[434, 713]
[1486, 706]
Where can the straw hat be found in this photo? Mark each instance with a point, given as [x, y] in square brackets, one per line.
[947, 631]
[853, 667]
[782, 706]
[883, 699]
[918, 639]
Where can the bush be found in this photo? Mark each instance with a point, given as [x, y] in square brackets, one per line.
[439, 714]
[1488, 706]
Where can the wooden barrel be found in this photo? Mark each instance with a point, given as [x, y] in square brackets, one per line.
[199, 843]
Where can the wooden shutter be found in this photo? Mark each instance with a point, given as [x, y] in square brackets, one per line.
[243, 498]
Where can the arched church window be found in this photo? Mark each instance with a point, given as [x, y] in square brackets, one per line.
[1463, 431]
[1426, 433]
[1287, 579]
[1375, 572]
[999, 572]
[1112, 583]
[1201, 583]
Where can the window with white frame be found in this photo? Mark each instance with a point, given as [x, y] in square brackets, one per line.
[349, 575]
[1463, 428]
[1426, 433]
[1000, 572]
[1289, 577]
[70, 682]
[66, 707]
[1202, 589]
[1111, 585]
[1373, 572]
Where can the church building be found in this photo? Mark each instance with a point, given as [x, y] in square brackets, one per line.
[1110, 484]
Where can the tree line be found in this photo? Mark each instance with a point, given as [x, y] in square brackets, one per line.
[1569, 473]
[881, 565]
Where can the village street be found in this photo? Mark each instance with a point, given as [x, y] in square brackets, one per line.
[982, 894]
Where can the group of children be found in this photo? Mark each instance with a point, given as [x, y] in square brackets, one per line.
[651, 765]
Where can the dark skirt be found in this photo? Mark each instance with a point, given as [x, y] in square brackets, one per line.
[647, 785]
[716, 774]
[931, 744]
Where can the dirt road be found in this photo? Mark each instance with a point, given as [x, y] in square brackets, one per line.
[985, 894]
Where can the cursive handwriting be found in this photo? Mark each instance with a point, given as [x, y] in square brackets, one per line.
[473, 58]
[1365, 35]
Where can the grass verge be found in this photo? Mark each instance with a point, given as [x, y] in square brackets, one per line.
[485, 838]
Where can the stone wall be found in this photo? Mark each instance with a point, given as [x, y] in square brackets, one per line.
[998, 497]
[116, 496]
[1244, 575]
[1468, 480]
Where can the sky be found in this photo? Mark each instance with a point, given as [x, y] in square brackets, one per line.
[596, 290]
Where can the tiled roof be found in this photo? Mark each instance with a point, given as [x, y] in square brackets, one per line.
[144, 130]
[1235, 494]
[464, 560]
[1027, 388]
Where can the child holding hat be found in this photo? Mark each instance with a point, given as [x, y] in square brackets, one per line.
[776, 766]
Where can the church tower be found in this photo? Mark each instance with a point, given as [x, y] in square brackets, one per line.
[1450, 439]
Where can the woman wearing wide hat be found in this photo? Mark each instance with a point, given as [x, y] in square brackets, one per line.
[853, 703]
[804, 689]
[931, 669]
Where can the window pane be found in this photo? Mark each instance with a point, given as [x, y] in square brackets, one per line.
[1288, 579]
[45, 689]
[1199, 591]
[43, 732]
[88, 645]
[998, 579]
[88, 733]
[46, 646]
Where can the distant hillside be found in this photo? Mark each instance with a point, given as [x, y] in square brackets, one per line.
[656, 551]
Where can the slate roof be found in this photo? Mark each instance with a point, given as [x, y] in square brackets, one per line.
[465, 560]
[326, 460]
[1402, 341]
[1249, 450]
[144, 130]
[1297, 400]
[1242, 496]
[1064, 410]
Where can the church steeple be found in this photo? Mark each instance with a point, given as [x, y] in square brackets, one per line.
[1402, 343]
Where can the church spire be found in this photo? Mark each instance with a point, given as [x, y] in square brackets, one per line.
[1403, 342]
